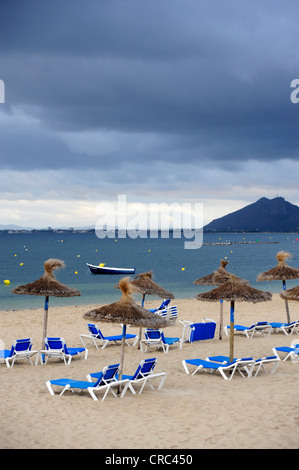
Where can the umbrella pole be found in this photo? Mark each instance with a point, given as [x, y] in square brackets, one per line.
[221, 319]
[287, 311]
[286, 303]
[140, 329]
[231, 333]
[45, 321]
[122, 354]
[45, 326]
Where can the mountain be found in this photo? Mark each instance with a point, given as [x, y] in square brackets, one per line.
[264, 215]
[11, 227]
[47, 229]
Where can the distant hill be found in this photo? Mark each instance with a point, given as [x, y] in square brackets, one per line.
[18, 228]
[264, 215]
[11, 227]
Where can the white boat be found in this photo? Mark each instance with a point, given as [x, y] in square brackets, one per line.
[109, 269]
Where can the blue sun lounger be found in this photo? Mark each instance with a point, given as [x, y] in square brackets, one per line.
[197, 331]
[163, 305]
[286, 328]
[144, 374]
[105, 382]
[20, 349]
[260, 327]
[170, 314]
[157, 339]
[226, 369]
[95, 335]
[258, 364]
[245, 363]
[57, 348]
[289, 352]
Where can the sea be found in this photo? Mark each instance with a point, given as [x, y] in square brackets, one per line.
[174, 267]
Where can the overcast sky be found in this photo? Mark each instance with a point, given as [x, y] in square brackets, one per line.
[161, 100]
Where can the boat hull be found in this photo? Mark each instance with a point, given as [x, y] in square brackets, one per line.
[109, 270]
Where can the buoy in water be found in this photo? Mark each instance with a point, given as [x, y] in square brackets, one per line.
[6, 282]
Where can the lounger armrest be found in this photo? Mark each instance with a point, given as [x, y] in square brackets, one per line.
[149, 342]
[186, 324]
[208, 320]
[108, 387]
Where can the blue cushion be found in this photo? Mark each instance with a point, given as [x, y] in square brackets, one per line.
[73, 351]
[171, 340]
[73, 383]
[220, 359]
[4, 353]
[200, 331]
[206, 364]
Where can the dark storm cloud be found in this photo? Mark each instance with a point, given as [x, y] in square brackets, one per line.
[209, 80]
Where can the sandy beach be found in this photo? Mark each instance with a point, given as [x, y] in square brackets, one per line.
[203, 411]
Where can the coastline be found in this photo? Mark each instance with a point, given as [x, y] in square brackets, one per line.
[174, 267]
[190, 412]
[84, 301]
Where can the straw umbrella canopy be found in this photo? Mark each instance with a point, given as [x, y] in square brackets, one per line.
[281, 272]
[127, 312]
[224, 275]
[233, 291]
[144, 284]
[291, 294]
[218, 277]
[47, 285]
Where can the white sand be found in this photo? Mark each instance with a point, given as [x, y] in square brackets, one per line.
[190, 412]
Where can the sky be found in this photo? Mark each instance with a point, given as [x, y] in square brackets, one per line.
[161, 101]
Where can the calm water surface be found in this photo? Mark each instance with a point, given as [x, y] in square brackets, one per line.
[22, 256]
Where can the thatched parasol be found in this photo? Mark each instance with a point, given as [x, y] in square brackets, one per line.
[144, 284]
[281, 272]
[218, 277]
[232, 291]
[47, 286]
[125, 311]
[224, 275]
[291, 294]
